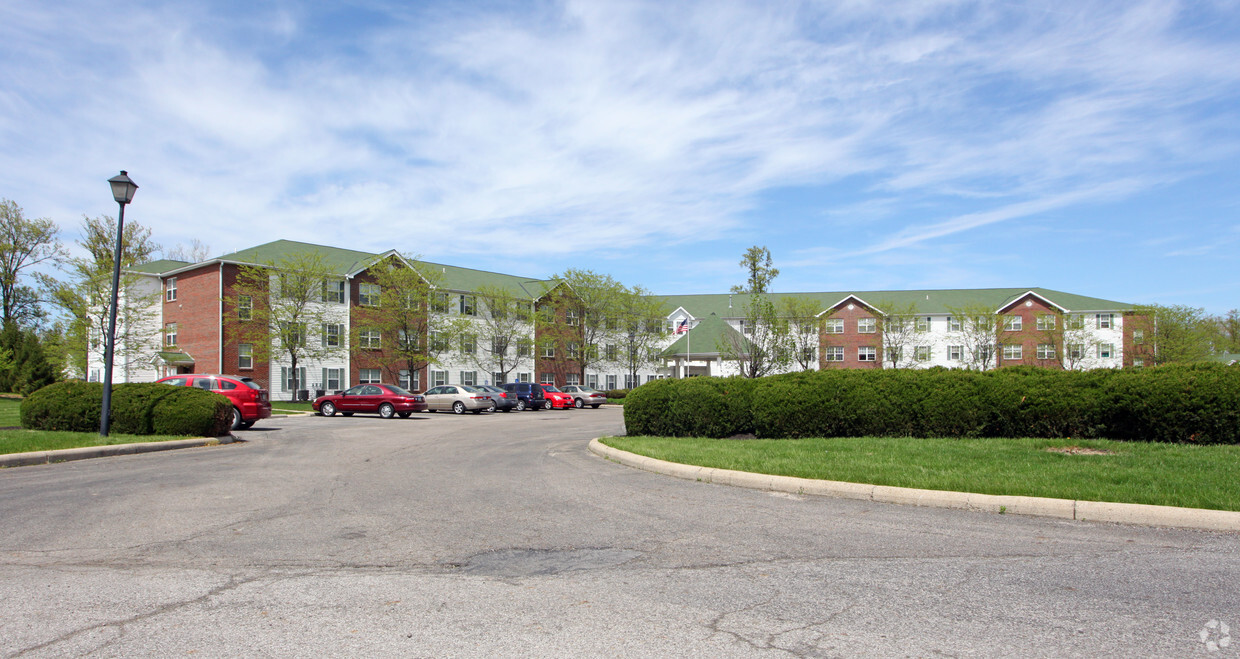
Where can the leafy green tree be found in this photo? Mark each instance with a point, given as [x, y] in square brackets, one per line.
[978, 333]
[583, 311]
[897, 324]
[1229, 331]
[763, 346]
[1176, 333]
[86, 296]
[288, 312]
[29, 369]
[804, 328]
[504, 321]
[644, 327]
[24, 243]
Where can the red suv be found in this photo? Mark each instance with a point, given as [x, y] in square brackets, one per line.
[250, 402]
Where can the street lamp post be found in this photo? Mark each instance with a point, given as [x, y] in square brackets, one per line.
[122, 191]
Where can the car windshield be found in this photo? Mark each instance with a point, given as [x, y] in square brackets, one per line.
[547, 387]
[587, 390]
[250, 383]
[398, 391]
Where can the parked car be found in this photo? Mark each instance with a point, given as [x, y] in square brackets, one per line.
[530, 396]
[557, 399]
[387, 400]
[458, 398]
[583, 395]
[504, 401]
[250, 401]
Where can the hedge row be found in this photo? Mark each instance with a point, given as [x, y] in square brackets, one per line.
[137, 409]
[1182, 403]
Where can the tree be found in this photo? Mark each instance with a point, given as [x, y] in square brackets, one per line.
[505, 320]
[1229, 331]
[1176, 334]
[24, 243]
[644, 329]
[1068, 336]
[804, 328]
[28, 369]
[286, 304]
[196, 252]
[897, 324]
[87, 296]
[763, 346]
[407, 325]
[584, 311]
[977, 328]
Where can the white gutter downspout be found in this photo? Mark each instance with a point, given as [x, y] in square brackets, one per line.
[219, 312]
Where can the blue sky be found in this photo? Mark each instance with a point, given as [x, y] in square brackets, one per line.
[1092, 147]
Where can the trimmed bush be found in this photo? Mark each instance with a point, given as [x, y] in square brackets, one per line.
[1180, 403]
[138, 409]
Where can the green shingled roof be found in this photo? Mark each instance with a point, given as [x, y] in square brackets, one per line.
[158, 267]
[923, 301]
[705, 339]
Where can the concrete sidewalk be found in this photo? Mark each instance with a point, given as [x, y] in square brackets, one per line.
[1094, 511]
[87, 452]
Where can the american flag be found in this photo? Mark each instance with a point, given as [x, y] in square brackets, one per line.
[683, 326]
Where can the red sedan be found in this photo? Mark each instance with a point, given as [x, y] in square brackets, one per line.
[557, 399]
[387, 400]
[249, 400]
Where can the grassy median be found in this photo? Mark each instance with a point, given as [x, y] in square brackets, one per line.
[1095, 470]
[17, 440]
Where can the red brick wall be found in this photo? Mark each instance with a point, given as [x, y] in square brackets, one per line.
[1029, 308]
[851, 339]
[1132, 350]
[196, 313]
[261, 371]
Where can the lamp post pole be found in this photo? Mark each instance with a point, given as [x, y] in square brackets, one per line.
[122, 190]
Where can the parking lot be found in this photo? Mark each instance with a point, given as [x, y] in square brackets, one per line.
[501, 535]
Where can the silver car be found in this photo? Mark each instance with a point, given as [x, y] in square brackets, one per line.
[583, 395]
[457, 398]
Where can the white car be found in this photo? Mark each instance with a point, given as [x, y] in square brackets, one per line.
[583, 395]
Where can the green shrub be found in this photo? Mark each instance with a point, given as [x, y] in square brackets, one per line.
[617, 394]
[1194, 403]
[139, 409]
[72, 406]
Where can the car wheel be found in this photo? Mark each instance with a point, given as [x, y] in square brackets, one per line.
[476, 411]
[520, 405]
[387, 411]
[247, 425]
[578, 403]
[595, 406]
[507, 410]
[237, 420]
[346, 414]
[405, 415]
[548, 404]
[458, 407]
[327, 409]
[491, 407]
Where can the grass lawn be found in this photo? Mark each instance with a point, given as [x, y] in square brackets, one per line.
[10, 412]
[1097, 470]
[280, 406]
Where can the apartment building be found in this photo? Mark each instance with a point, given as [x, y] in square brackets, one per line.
[198, 315]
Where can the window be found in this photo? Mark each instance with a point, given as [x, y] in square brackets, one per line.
[628, 381]
[548, 351]
[170, 334]
[1012, 323]
[497, 378]
[953, 324]
[293, 378]
[331, 335]
[524, 348]
[611, 382]
[524, 377]
[808, 354]
[867, 354]
[407, 341]
[1046, 351]
[866, 326]
[1105, 320]
[1138, 336]
[469, 346]
[469, 378]
[1075, 322]
[369, 339]
[369, 376]
[1138, 363]
[245, 356]
[439, 303]
[292, 334]
[570, 317]
[94, 375]
[923, 324]
[592, 381]
[469, 305]
[245, 307]
[573, 349]
[955, 353]
[834, 325]
[546, 378]
[368, 295]
[1076, 350]
[331, 379]
[572, 378]
[170, 289]
[1013, 351]
[835, 353]
[1046, 323]
[1106, 351]
[333, 290]
[921, 353]
[610, 351]
[746, 328]
[439, 378]
[439, 342]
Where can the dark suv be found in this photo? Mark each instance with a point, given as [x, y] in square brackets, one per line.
[530, 396]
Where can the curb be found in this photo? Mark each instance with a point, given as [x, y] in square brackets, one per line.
[88, 452]
[1093, 511]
